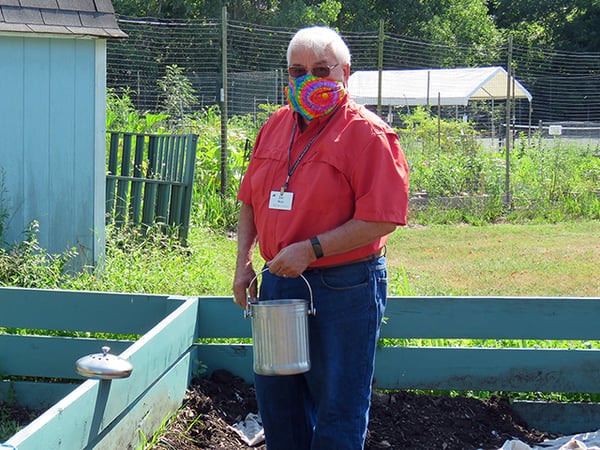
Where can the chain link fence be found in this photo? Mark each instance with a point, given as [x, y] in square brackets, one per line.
[565, 86]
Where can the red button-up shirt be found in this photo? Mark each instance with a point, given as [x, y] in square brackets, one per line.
[354, 169]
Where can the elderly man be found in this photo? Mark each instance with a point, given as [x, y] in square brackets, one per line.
[326, 185]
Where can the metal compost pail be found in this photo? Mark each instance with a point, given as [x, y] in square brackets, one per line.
[280, 334]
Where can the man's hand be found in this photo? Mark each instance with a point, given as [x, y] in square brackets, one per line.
[292, 260]
[241, 285]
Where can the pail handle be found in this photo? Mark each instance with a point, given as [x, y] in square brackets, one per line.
[312, 311]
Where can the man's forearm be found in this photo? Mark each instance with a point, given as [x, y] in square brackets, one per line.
[246, 239]
[353, 234]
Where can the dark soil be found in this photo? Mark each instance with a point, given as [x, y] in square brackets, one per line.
[399, 420]
[14, 417]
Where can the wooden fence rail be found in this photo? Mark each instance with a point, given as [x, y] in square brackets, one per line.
[182, 336]
[521, 368]
[150, 179]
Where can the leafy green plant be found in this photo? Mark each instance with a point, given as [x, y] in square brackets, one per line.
[211, 206]
[464, 181]
[121, 115]
[27, 264]
[445, 156]
[152, 261]
[177, 94]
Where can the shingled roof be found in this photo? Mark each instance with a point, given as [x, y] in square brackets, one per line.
[70, 17]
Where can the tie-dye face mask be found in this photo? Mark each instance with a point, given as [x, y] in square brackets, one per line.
[313, 96]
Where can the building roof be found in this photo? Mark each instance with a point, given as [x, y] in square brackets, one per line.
[65, 17]
[428, 86]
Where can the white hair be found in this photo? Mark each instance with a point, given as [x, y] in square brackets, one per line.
[319, 39]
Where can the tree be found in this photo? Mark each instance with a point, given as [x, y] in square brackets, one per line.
[462, 24]
[581, 31]
[166, 9]
[297, 13]
[177, 93]
[570, 25]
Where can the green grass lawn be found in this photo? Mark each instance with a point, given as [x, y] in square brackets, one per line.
[494, 260]
[497, 260]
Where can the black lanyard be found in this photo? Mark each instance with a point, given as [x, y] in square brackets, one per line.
[292, 168]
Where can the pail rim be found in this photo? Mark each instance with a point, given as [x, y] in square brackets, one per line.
[280, 300]
[250, 304]
[279, 303]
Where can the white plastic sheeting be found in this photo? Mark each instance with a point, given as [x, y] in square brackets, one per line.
[424, 86]
[582, 441]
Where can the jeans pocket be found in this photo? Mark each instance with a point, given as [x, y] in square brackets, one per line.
[345, 278]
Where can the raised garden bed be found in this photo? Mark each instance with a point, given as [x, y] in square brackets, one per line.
[175, 341]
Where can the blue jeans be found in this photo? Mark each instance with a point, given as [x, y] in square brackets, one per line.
[327, 408]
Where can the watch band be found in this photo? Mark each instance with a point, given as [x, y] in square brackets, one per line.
[316, 245]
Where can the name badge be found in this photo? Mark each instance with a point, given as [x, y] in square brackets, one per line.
[281, 200]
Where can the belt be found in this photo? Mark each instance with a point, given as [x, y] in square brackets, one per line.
[371, 257]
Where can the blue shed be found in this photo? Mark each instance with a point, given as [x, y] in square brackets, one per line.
[52, 122]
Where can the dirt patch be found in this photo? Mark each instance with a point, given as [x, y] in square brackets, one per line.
[399, 420]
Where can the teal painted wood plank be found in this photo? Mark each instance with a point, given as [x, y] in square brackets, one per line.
[79, 420]
[34, 395]
[146, 414]
[58, 226]
[66, 425]
[563, 418]
[453, 317]
[11, 126]
[35, 176]
[492, 318]
[123, 184]
[111, 182]
[520, 370]
[188, 178]
[94, 405]
[163, 344]
[87, 311]
[237, 359]
[219, 317]
[163, 196]
[135, 212]
[75, 222]
[49, 356]
[175, 207]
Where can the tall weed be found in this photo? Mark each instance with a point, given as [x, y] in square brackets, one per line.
[121, 115]
[27, 264]
[3, 208]
[154, 262]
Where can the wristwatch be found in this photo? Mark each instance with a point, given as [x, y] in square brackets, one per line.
[316, 245]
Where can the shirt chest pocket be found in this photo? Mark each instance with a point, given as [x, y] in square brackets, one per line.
[270, 169]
